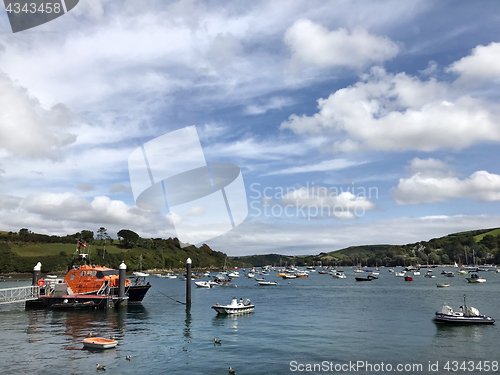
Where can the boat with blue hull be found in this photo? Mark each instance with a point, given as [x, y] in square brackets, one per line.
[466, 315]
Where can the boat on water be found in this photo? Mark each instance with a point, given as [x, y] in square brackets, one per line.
[75, 305]
[265, 283]
[408, 278]
[234, 307]
[400, 274]
[99, 343]
[339, 275]
[442, 285]
[416, 272]
[95, 279]
[467, 315]
[449, 274]
[429, 274]
[286, 276]
[367, 278]
[474, 278]
[170, 276]
[205, 284]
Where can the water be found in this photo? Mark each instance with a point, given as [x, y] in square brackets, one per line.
[317, 320]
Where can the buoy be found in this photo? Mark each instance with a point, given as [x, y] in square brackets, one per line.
[41, 282]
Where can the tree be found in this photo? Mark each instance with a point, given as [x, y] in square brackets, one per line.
[102, 234]
[128, 237]
[87, 236]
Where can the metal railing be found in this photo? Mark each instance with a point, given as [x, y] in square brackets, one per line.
[23, 293]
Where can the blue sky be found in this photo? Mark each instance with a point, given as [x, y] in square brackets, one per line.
[385, 112]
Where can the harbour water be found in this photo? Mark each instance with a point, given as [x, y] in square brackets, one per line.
[318, 323]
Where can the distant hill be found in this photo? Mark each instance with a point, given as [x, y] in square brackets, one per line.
[20, 251]
[464, 247]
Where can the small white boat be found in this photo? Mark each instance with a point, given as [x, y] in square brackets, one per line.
[99, 343]
[449, 274]
[204, 284]
[268, 282]
[289, 277]
[474, 278]
[207, 274]
[416, 273]
[233, 274]
[339, 275]
[400, 274]
[170, 276]
[140, 274]
[429, 274]
[234, 307]
[250, 275]
[442, 285]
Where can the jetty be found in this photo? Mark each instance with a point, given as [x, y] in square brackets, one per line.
[42, 296]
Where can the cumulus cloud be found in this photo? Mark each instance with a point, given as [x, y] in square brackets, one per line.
[312, 202]
[27, 128]
[431, 183]
[312, 44]
[397, 112]
[481, 65]
[63, 213]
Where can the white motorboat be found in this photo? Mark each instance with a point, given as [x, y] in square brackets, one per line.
[467, 315]
[429, 274]
[250, 275]
[339, 275]
[233, 274]
[234, 307]
[442, 285]
[400, 274]
[170, 276]
[205, 284]
[416, 273]
[268, 282]
[449, 274]
[474, 278]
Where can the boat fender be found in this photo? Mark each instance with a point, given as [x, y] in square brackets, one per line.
[41, 282]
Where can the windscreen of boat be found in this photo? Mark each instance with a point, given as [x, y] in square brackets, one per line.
[101, 274]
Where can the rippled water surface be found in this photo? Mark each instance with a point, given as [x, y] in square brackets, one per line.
[316, 320]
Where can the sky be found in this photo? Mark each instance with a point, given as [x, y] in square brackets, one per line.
[352, 122]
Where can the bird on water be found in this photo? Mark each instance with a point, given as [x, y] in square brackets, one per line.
[101, 367]
[128, 358]
[231, 371]
[216, 341]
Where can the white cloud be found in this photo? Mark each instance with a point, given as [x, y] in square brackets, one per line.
[312, 44]
[297, 238]
[64, 213]
[325, 165]
[430, 70]
[28, 129]
[319, 202]
[387, 112]
[431, 187]
[429, 167]
[277, 102]
[481, 65]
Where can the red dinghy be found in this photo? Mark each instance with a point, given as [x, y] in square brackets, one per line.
[408, 278]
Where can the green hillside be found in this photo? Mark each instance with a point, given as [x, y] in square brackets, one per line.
[461, 247]
[19, 252]
[494, 233]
